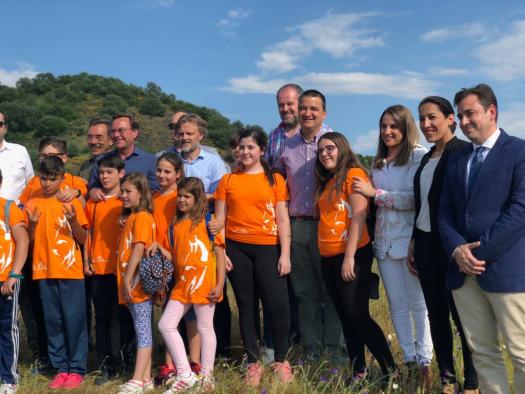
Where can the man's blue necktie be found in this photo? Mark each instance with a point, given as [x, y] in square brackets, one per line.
[475, 166]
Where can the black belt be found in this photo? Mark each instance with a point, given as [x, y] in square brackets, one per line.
[303, 217]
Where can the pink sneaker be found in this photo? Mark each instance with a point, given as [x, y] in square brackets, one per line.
[58, 381]
[284, 371]
[73, 381]
[254, 374]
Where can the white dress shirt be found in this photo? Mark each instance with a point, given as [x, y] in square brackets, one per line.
[488, 144]
[17, 170]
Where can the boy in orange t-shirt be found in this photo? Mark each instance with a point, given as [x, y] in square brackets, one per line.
[100, 259]
[56, 230]
[30, 305]
[71, 186]
[14, 242]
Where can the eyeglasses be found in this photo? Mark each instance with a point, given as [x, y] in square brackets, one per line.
[328, 149]
[2, 124]
[120, 130]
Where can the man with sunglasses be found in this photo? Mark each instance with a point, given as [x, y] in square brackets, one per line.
[15, 164]
[124, 133]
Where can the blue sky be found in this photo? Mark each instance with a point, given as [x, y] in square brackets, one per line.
[233, 55]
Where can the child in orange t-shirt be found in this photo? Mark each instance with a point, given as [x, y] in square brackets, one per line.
[137, 233]
[346, 251]
[56, 230]
[200, 275]
[253, 203]
[100, 258]
[169, 170]
[71, 187]
[14, 243]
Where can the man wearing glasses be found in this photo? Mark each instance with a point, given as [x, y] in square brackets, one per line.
[15, 164]
[124, 134]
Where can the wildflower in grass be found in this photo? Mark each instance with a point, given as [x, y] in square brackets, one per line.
[323, 379]
[263, 391]
[335, 371]
[300, 362]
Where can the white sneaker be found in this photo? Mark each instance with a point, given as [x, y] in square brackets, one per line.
[148, 385]
[131, 387]
[206, 383]
[7, 388]
[181, 383]
[268, 355]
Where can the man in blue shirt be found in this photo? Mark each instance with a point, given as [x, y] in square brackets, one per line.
[198, 162]
[124, 133]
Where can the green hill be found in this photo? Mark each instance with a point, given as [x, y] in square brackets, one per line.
[63, 105]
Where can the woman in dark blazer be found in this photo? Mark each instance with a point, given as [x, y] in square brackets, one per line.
[427, 259]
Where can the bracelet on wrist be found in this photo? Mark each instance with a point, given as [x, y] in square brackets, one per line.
[13, 274]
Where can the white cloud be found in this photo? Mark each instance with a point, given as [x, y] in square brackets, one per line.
[513, 119]
[406, 85]
[334, 34]
[365, 143]
[474, 30]
[9, 77]
[504, 58]
[284, 56]
[253, 84]
[337, 35]
[231, 21]
[448, 72]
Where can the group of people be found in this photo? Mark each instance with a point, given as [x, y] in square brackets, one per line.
[294, 223]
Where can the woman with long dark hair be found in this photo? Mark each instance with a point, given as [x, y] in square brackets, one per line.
[427, 259]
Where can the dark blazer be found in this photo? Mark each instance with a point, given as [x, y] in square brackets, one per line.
[436, 187]
[493, 214]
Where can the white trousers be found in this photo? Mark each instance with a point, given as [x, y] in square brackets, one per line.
[407, 310]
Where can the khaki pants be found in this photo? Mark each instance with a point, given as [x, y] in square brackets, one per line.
[313, 302]
[483, 315]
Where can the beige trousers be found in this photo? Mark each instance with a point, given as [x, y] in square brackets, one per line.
[483, 315]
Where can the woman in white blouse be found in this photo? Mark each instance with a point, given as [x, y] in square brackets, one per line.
[397, 159]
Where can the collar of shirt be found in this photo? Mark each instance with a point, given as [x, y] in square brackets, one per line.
[324, 129]
[202, 156]
[489, 143]
[5, 145]
[136, 152]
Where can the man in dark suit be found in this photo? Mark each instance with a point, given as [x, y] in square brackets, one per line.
[482, 226]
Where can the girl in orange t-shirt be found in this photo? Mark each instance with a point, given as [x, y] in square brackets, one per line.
[346, 251]
[137, 233]
[253, 204]
[199, 280]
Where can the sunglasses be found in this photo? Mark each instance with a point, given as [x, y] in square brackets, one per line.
[2, 124]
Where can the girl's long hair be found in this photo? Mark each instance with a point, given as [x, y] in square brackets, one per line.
[195, 187]
[408, 128]
[140, 182]
[260, 138]
[346, 159]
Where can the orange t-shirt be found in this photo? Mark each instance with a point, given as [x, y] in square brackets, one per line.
[139, 227]
[250, 202]
[194, 262]
[335, 216]
[164, 206]
[103, 218]
[56, 254]
[7, 242]
[33, 188]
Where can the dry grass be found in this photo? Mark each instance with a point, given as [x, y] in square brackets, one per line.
[319, 378]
